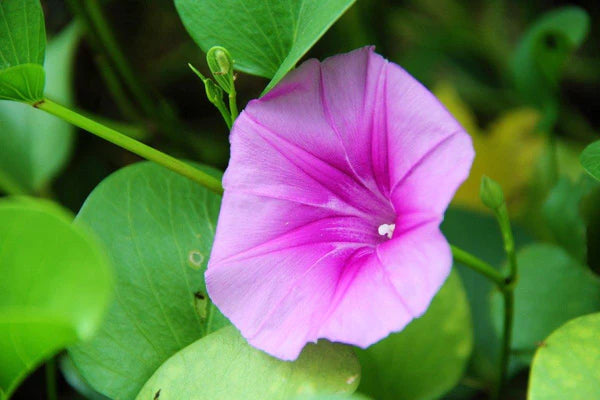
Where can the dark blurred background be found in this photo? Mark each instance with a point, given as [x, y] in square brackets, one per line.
[459, 49]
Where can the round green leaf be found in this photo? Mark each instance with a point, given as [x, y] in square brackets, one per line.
[552, 288]
[224, 366]
[34, 145]
[590, 159]
[567, 365]
[22, 47]
[428, 357]
[55, 286]
[158, 228]
[265, 38]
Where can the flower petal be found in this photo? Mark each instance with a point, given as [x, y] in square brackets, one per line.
[382, 293]
[430, 153]
[332, 153]
[278, 299]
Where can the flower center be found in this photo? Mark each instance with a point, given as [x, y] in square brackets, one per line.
[386, 230]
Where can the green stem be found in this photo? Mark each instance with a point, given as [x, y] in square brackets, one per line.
[130, 144]
[233, 105]
[508, 293]
[508, 239]
[111, 46]
[478, 265]
[224, 113]
[51, 379]
[509, 304]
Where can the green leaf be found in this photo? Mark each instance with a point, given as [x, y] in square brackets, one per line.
[567, 365]
[265, 38]
[55, 286]
[538, 61]
[158, 227]
[224, 366]
[34, 146]
[562, 216]
[416, 363]
[590, 159]
[22, 46]
[552, 288]
[22, 83]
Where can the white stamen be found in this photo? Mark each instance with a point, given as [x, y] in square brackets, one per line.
[386, 230]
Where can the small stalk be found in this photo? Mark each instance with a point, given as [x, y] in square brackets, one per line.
[478, 265]
[509, 305]
[233, 105]
[130, 144]
[493, 197]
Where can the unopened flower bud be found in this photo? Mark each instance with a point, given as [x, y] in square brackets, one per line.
[213, 92]
[491, 193]
[221, 65]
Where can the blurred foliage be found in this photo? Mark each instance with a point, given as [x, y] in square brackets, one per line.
[60, 299]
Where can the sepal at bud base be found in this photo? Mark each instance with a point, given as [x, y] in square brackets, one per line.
[221, 65]
[213, 92]
[491, 193]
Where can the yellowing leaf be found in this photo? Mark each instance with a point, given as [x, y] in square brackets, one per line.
[506, 151]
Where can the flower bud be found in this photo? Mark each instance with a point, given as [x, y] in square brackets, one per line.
[213, 92]
[491, 193]
[221, 65]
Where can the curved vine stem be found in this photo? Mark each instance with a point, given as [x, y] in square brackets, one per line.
[130, 144]
[504, 283]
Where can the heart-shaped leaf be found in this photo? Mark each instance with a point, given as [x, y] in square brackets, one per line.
[22, 47]
[567, 364]
[55, 286]
[158, 228]
[400, 366]
[224, 366]
[265, 37]
[34, 145]
[552, 288]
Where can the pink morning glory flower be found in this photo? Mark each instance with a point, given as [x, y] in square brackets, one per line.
[329, 226]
